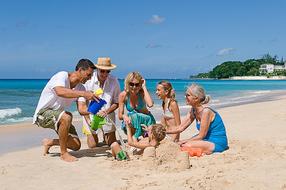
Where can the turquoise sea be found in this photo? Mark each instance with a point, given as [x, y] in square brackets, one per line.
[19, 97]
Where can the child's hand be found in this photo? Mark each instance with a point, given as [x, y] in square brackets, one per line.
[144, 127]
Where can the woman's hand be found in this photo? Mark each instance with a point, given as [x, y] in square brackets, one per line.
[143, 83]
[127, 120]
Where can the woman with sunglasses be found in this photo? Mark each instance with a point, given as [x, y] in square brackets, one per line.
[212, 134]
[171, 112]
[135, 98]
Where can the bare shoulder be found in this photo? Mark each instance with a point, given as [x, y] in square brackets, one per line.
[207, 111]
[173, 105]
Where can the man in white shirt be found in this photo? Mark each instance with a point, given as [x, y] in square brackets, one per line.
[60, 91]
[111, 89]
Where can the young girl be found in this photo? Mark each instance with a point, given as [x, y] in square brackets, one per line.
[156, 133]
[171, 112]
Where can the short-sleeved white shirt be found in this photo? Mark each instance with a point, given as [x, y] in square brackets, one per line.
[49, 98]
[111, 91]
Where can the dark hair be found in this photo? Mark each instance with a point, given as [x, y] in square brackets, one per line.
[84, 64]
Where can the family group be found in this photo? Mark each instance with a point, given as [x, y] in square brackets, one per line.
[132, 103]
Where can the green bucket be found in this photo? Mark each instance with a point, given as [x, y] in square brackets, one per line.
[97, 122]
[121, 155]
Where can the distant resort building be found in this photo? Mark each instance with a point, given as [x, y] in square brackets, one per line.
[270, 68]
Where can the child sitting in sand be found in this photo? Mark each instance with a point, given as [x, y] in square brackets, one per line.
[156, 133]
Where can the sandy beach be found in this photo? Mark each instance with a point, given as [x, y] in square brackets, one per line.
[255, 160]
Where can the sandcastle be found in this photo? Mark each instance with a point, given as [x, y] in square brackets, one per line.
[167, 155]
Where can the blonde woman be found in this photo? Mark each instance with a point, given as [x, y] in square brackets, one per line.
[212, 134]
[135, 98]
[171, 112]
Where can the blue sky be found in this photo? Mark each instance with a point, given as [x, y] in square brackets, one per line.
[159, 38]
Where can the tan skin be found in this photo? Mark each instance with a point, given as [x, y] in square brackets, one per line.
[143, 143]
[134, 99]
[66, 141]
[149, 141]
[173, 107]
[92, 140]
[205, 116]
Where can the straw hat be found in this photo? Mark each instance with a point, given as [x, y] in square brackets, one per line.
[104, 63]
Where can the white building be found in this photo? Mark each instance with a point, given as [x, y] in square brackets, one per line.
[270, 68]
[266, 68]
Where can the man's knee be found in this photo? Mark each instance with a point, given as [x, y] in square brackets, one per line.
[92, 141]
[66, 117]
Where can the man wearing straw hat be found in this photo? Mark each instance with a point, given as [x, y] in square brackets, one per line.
[102, 79]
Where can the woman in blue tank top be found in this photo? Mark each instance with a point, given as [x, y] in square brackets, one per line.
[212, 134]
[135, 98]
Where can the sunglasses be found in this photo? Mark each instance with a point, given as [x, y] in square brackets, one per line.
[187, 95]
[134, 84]
[104, 71]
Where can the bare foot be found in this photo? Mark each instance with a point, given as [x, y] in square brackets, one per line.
[47, 143]
[68, 158]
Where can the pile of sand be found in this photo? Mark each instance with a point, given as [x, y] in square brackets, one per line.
[167, 150]
[167, 156]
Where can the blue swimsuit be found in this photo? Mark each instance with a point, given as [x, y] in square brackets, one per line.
[138, 118]
[216, 133]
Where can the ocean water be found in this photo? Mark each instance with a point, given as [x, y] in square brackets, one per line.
[19, 98]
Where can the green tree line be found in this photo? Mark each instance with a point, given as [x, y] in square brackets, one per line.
[249, 67]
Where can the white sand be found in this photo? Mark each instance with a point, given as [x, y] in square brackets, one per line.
[256, 160]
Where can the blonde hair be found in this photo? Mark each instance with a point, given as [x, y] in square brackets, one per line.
[158, 131]
[167, 86]
[129, 77]
[199, 92]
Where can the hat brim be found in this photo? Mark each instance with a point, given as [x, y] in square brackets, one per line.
[105, 67]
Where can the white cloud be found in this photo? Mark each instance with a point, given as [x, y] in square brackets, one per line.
[151, 45]
[225, 51]
[156, 19]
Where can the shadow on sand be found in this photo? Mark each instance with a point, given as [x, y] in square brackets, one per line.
[101, 150]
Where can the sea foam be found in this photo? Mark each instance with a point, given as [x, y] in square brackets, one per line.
[7, 113]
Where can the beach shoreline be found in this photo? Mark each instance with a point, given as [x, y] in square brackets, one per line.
[246, 78]
[31, 135]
